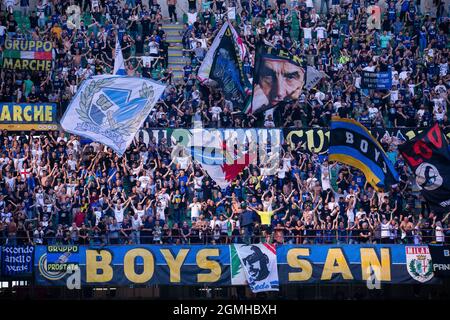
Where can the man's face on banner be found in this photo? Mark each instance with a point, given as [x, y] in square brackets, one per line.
[280, 81]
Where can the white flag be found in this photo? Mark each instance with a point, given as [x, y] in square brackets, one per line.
[119, 66]
[111, 109]
[260, 266]
[313, 76]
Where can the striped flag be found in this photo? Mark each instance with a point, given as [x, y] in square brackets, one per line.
[351, 143]
[30, 55]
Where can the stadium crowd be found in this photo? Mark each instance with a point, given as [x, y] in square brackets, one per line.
[55, 189]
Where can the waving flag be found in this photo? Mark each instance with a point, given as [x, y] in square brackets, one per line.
[119, 66]
[259, 263]
[222, 67]
[111, 109]
[429, 157]
[351, 143]
[208, 148]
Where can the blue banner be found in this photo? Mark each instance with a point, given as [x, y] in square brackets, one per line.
[376, 80]
[28, 116]
[17, 261]
[216, 265]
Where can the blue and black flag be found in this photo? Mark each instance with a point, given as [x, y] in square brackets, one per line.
[351, 143]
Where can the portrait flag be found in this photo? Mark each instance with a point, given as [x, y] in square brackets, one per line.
[429, 158]
[278, 78]
[351, 143]
[222, 68]
[110, 109]
[259, 262]
[119, 66]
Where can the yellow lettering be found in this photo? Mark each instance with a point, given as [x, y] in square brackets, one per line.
[25, 64]
[175, 263]
[302, 264]
[17, 113]
[129, 269]
[16, 45]
[7, 63]
[26, 113]
[204, 263]
[93, 265]
[336, 263]
[38, 113]
[298, 133]
[310, 137]
[369, 260]
[48, 113]
[6, 116]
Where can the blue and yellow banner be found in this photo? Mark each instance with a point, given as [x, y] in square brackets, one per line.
[214, 264]
[351, 143]
[28, 116]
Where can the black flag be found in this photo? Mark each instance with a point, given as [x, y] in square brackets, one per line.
[429, 158]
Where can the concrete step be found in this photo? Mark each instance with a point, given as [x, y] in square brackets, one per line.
[174, 40]
[175, 54]
[172, 27]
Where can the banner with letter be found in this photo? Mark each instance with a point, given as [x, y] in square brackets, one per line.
[28, 116]
[17, 261]
[376, 80]
[318, 139]
[440, 257]
[351, 143]
[225, 69]
[259, 262]
[31, 55]
[278, 78]
[111, 109]
[211, 265]
[313, 77]
[429, 158]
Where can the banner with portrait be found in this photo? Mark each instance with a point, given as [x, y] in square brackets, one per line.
[31, 55]
[214, 265]
[278, 78]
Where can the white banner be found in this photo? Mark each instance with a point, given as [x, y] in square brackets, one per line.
[313, 76]
[111, 109]
[259, 262]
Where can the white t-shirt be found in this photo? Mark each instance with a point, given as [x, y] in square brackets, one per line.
[118, 214]
[440, 236]
[321, 32]
[195, 209]
[307, 33]
[2, 31]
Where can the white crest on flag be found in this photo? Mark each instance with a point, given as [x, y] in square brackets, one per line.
[111, 109]
[119, 65]
[260, 265]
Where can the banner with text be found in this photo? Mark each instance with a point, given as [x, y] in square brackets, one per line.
[211, 265]
[17, 261]
[28, 116]
[376, 80]
[28, 55]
